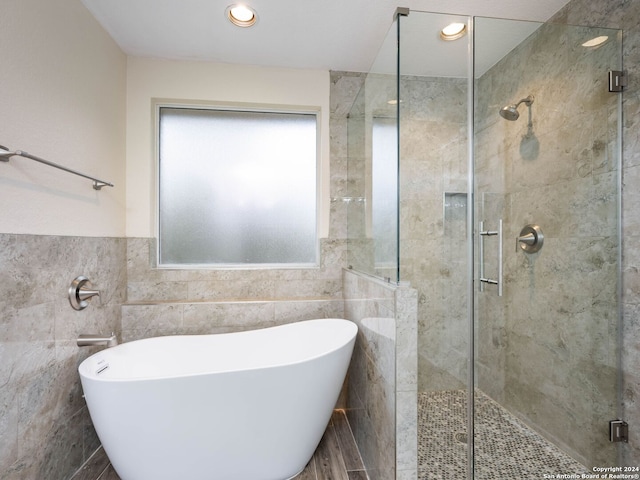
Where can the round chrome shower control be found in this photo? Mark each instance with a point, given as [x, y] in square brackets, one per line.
[530, 239]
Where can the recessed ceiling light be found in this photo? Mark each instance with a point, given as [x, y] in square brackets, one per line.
[453, 31]
[594, 42]
[241, 15]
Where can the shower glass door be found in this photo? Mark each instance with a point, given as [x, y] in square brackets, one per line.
[434, 92]
[485, 172]
[528, 185]
[547, 166]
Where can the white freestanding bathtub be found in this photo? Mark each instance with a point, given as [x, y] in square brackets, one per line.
[238, 406]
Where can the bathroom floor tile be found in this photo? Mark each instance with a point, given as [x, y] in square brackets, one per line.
[350, 453]
[94, 467]
[109, 474]
[504, 446]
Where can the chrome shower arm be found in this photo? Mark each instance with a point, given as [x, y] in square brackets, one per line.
[527, 101]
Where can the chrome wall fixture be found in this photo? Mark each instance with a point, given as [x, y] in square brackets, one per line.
[510, 112]
[530, 239]
[89, 340]
[6, 155]
[80, 292]
[490, 233]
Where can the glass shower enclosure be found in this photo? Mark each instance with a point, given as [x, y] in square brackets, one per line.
[486, 173]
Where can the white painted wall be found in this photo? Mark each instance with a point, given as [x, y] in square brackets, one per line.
[68, 94]
[150, 80]
[62, 97]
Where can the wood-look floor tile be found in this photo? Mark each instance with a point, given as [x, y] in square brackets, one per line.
[348, 448]
[309, 472]
[93, 468]
[357, 475]
[109, 474]
[329, 463]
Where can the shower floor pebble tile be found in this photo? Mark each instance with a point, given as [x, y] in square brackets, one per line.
[336, 458]
[505, 448]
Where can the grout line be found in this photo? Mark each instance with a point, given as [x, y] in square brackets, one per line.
[342, 411]
[89, 462]
[103, 473]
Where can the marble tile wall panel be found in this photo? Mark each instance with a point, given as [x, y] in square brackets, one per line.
[433, 182]
[199, 301]
[45, 430]
[148, 284]
[624, 15]
[371, 400]
[406, 354]
[381, 403]
[189, 318]
[434, 158]
[556, 326]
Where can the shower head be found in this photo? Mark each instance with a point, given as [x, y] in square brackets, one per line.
[510, 112]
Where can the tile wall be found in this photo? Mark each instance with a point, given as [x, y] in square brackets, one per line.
[433, 202]
[166, 302]
[547, 349]
[624, 14]
[382, 386]
[45, 430]
[382, 381]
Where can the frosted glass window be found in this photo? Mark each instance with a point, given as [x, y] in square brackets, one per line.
[237, 187]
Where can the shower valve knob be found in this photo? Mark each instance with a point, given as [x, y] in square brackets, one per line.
[530, 239]
[80, 292]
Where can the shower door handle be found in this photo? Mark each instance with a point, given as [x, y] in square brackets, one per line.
[500, 258]
[490, 233]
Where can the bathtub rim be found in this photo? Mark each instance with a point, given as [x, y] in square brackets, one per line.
[88, 375]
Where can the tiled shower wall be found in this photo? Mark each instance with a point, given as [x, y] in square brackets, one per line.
[624, 14]
[433, 200]
[432, 185]
[547, 348]
[45, 430]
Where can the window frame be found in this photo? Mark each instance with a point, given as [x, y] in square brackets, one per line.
[237, 107]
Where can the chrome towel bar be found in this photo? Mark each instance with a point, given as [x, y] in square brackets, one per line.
[6, 155]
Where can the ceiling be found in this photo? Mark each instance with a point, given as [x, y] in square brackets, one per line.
[342, 35]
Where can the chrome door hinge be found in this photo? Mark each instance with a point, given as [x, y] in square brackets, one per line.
[617, 80]
[618, 431]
